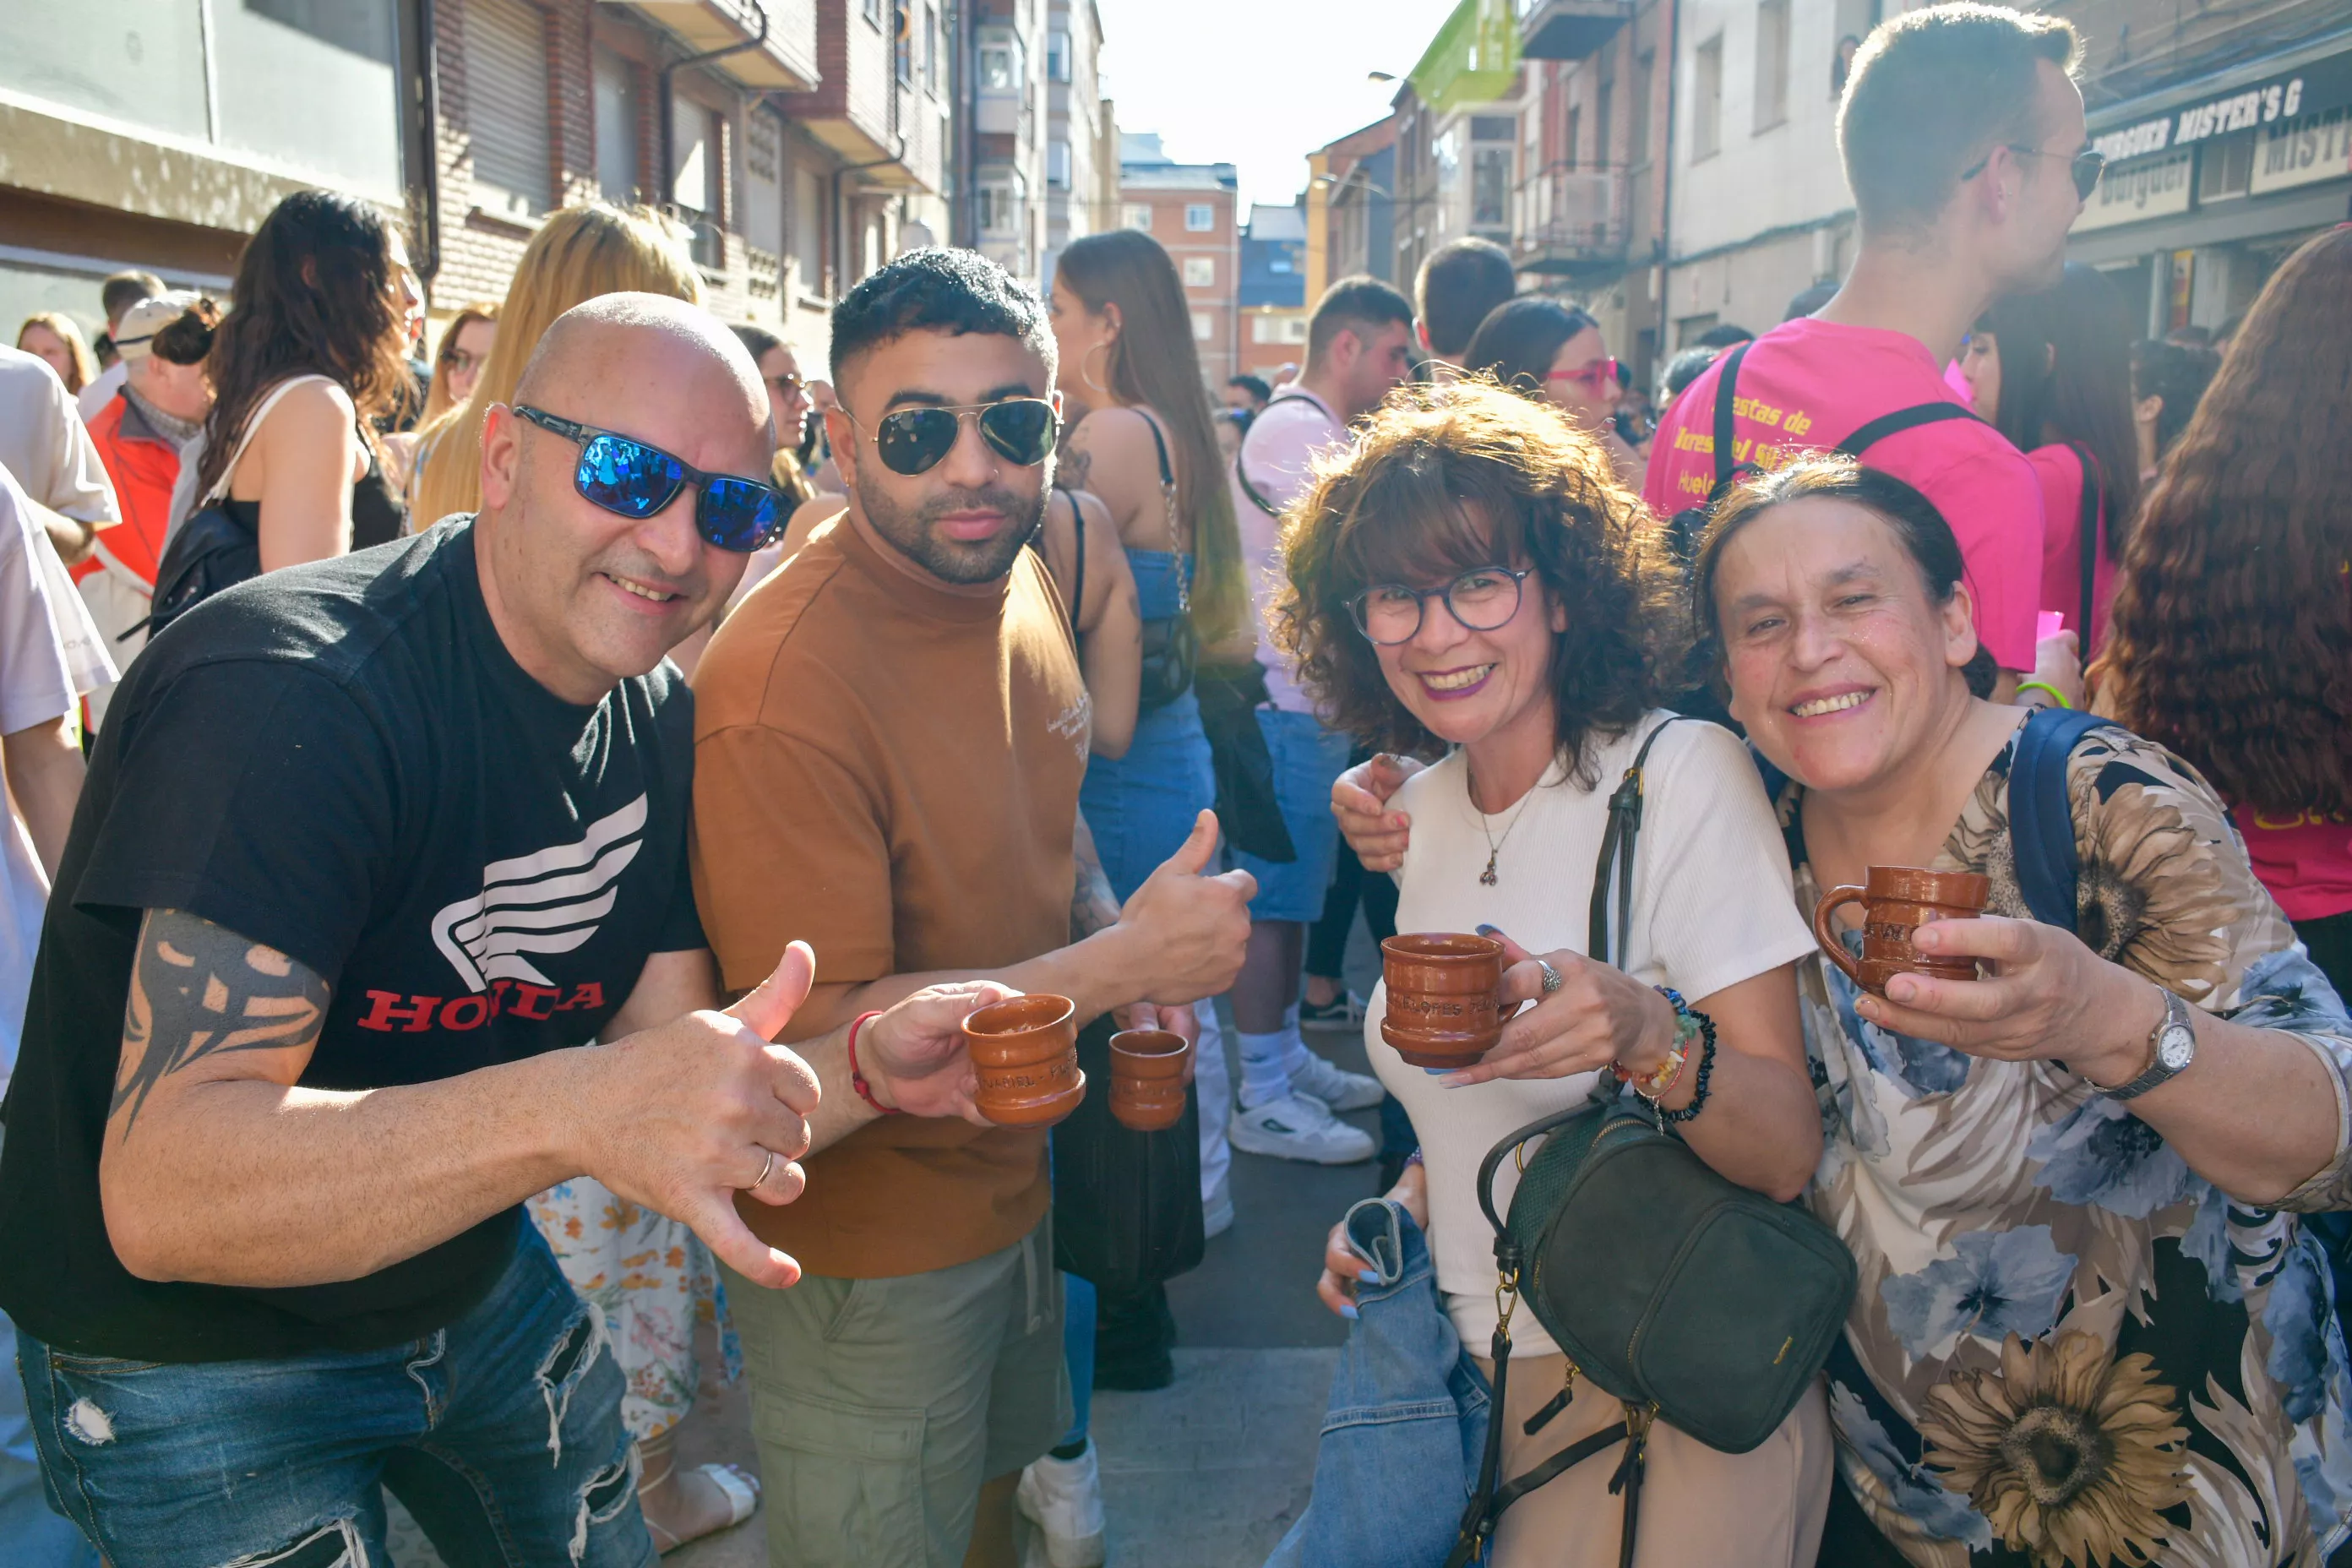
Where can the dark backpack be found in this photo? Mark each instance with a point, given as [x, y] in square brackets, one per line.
[210, 551]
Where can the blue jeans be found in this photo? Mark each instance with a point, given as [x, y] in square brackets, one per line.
[501, 1433]
[1406, 1426]
[1140, 807]
[1307, 759]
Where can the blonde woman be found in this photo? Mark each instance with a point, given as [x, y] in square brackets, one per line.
[578, 254]
[648, 1273]
[50, 336]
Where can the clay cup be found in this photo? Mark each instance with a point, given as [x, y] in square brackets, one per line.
[1025, 1051]
[1148, 1070]
[1444, 997]
[1896, 901]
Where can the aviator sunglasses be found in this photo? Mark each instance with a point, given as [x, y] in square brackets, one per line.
[1021, 430]
[629, 479]
[2083, 167]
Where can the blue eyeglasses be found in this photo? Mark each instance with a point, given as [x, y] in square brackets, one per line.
[629, 479]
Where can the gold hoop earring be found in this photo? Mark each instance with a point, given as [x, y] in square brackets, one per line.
[1086, 375]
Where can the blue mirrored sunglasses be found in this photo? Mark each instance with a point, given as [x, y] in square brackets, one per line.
[629, 479]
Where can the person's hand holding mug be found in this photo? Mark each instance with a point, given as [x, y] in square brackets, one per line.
[1343, 1271]
[1597, 1015]
[2048, 996]
[1185, 934]
[1360, 799]
[915, 1056]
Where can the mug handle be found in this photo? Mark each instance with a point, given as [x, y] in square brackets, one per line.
[1831, 946]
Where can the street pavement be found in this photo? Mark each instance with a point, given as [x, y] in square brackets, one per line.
[1211, 1471]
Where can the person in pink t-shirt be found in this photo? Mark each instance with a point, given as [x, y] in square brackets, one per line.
[1964, 144]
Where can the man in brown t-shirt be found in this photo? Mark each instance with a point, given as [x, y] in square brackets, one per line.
[889, 736]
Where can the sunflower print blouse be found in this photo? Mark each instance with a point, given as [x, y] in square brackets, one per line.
[2065, 1347]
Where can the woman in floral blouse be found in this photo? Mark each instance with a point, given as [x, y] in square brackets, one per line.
[2087, 1332]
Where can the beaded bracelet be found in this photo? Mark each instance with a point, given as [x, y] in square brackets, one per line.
[1706, 1069]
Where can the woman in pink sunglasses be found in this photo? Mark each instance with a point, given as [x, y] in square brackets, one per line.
[1553, 353]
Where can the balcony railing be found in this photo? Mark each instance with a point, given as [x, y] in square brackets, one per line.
[1570, 220]
[1570, 29]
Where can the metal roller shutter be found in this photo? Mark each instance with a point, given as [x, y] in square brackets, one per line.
[506, 106]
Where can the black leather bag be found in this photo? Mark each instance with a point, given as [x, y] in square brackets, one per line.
[1171, 648]
[1126, 1205]
[210, 551]
[1247, 807]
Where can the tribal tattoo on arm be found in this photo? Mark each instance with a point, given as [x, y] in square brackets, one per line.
[1093, 907]
[198, 991]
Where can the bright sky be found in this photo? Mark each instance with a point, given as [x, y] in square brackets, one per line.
[1259, 83]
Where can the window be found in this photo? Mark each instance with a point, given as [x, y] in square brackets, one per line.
[1644, 73]
[1057, 164]
[1199, 218]
[1707, 99]
[996, 72]
[872, 10]
[2225, 167]
[931, 48]
[808, 229]
[1772, 63]
[1058, 56]
[1200, 272]
[902, 45]
[1139, 216]
[1270, 329]
[1575, 131]
[506, 79]
[1280, 262]
[1204, 326]
[763, 221]
[614, 89]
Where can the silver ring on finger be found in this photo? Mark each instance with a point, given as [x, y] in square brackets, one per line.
[1551, 980]
[768, 1165]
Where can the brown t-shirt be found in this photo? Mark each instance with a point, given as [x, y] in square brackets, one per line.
[889, 772]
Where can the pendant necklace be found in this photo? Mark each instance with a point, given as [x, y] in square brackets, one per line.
[1494, 844]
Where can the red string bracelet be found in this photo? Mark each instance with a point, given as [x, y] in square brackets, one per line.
[856, 1079]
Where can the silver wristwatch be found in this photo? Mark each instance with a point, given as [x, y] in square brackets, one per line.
[2175, 1040]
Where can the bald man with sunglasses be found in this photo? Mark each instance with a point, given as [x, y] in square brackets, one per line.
[890, 732]
[371, 852]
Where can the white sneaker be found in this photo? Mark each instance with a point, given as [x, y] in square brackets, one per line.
[1217, 1210]
[1335, 1086]
[1063, 1498]
[1298, 1127]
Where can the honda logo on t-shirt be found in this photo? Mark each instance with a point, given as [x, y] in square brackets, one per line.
[548, 902]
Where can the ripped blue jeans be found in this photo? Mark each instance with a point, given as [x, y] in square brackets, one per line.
[500, 1433]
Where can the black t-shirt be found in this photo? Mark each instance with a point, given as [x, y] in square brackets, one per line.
[344, 761]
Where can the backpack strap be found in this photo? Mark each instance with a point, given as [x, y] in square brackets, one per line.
[1901, 419]
[1726, 398]
[1241, 473]
[2041, 816]
[1617, 857]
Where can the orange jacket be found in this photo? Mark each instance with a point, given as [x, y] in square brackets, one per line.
[145, 465]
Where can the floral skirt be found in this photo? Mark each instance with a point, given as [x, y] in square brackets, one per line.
[653, 1281]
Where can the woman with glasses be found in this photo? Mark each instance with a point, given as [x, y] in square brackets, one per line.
[1471, 583]
[1553, 353]
[465, 350]
[577, 254]
[788, 410]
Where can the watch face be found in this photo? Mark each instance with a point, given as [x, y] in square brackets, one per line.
[2176, 1047]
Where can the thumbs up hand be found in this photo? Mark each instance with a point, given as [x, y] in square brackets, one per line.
[1189, 931]
[683, 1116]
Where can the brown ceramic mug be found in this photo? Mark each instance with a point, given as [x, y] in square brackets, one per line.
[1444, 997]
[1025, 1051]
[1896, 901]
[1149, 1070]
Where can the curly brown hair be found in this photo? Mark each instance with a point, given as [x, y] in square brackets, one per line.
[1443, 480]
[2233, 629]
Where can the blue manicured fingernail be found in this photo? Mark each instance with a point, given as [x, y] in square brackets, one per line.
[1437, 1072]
[1369, 1276]
[1349, 1313]
[1489, 930]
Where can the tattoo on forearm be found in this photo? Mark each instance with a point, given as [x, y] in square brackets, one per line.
[198, 990]
[1093, 907]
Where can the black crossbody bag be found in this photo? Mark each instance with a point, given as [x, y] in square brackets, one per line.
[1670, 1288]
[1171, 648]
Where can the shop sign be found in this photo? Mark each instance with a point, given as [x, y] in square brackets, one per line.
[2149, 187]
[2303, 152]
[2311, 91]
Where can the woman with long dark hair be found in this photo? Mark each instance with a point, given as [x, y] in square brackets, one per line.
[2233, 629]
[313, 357]
[2053, 372]
[1554, 353]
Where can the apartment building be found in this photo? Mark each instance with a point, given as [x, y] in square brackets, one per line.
[1011, 119]
[1273, 298]
[1190, 208]
[1351, 207]
[2227, 132]
[802, 141]
[1081, 146]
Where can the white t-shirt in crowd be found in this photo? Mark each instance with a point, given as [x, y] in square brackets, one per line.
[1278, 455]
[1712, 906]
[91, 401]
[36, 687]
[43, 444]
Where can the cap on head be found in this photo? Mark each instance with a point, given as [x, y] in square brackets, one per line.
[134, 335]
[940, 289]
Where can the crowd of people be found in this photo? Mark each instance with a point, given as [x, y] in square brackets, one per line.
[514, 917]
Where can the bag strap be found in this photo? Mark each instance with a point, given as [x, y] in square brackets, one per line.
[1727, 396]
[1617, 857]
[1901, 419]
[1078, 562]
[1241, 473]
[253, 425]
[1168, 497]
[2042, 815]
[2093, 507]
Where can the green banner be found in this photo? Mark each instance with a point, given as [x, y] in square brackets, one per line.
[1474, 58]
